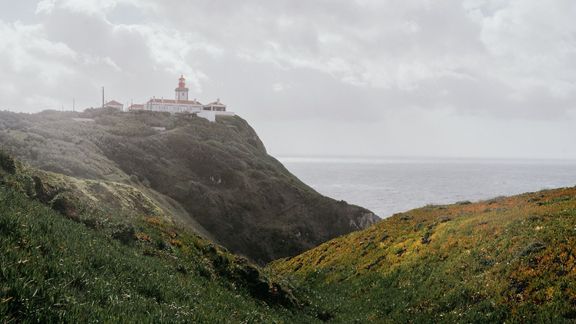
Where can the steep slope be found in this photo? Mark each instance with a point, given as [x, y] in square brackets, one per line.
[215, 177]
[81, 264]
[507, 259]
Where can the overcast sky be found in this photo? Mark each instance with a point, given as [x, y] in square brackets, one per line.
[456, 78]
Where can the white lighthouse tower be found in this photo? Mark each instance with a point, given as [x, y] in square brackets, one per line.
[182, 91]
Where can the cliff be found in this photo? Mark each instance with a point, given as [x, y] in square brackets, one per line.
[215, 178]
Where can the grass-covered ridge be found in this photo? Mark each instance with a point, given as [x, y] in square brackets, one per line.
[215, 178]
[62, 261]
[506, 259]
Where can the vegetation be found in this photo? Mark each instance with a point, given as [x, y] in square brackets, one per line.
[82, 265]
[111, 235]
[502, 260]
[214, 178]
[65, 258]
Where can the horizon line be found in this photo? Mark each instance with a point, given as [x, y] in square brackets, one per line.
[417, 157]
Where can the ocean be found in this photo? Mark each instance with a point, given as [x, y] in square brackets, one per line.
[388, 186]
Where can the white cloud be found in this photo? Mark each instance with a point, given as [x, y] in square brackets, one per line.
[322, 60]
[91, 7]
[45, 6]
[171, 50]
[532, 44]
[41, 102]
[25, 51]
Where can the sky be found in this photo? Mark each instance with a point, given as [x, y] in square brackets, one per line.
[419, 78]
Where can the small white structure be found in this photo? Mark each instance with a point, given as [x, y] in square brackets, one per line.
[215, 106]
[114, 104]
[181, 104]
[206, 114]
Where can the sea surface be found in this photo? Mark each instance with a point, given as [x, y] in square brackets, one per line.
[388, 186]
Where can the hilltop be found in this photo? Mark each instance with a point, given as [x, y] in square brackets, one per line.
[502, 260]
[214, 178]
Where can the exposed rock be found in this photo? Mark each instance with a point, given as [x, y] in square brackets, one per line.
[364, 221]
[426, 238]
[66, 206]
[444, 219]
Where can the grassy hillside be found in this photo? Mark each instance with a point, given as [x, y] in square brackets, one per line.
[215, 178]
[507, 259]
[82, 250]
[63, 261]
[104, 233]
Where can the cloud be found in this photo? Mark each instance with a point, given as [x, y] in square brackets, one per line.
[29, 61]
[533, 44]
[436, 54]
[329, 61]
[407, 53]
[91, 7]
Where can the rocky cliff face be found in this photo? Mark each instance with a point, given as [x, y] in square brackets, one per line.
[217, 177]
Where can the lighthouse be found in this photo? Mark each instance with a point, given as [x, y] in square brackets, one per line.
[182, 91]
[183, 105]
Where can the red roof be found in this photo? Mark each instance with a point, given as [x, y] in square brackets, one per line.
[113, 102]
[171, 101]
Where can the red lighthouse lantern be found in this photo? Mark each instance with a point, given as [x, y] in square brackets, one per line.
[182, 83]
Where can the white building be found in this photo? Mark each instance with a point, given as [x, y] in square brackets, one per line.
[215, 106]
[114, 104]
[181, 104]
[173, 106]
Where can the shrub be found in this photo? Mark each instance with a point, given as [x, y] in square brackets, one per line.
[7, 163]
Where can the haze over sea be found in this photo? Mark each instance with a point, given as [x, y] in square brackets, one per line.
[390, 185]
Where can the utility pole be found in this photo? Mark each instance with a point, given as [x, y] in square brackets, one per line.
[73, 104]
[103, 98]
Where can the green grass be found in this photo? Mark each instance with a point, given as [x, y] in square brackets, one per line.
[52, 269]
[57, 269]
[510, 259]
[64, 259]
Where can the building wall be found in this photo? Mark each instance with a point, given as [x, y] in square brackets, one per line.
[179, 108]
[214, 108]
[206, 114]
[224, 113]
[172, 108]
[181, 95]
